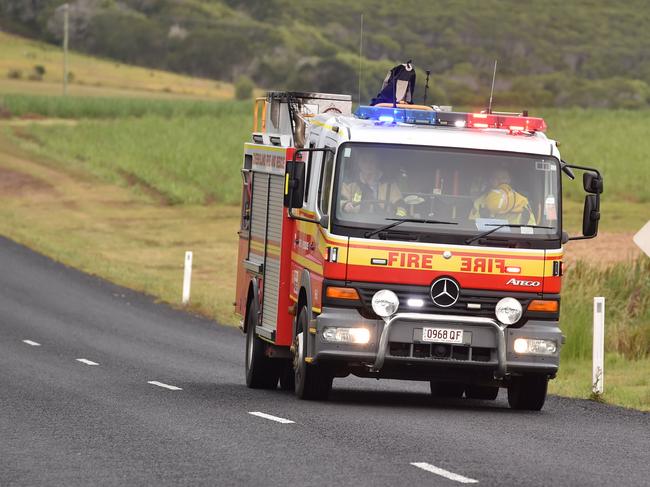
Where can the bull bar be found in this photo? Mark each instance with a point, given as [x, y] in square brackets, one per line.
[423, 317]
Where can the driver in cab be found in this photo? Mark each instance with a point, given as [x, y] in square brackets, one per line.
[369, 193]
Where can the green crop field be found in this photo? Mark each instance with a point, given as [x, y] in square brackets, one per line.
[77, 107]
[189, 158]
[179, 157]
[615, 141]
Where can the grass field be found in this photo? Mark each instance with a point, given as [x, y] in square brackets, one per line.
[211, 146]
[77, 107]
[180, 160]
[93, 76]
[125, 236]
[615, 141]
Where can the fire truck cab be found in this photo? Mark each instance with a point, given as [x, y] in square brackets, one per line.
[403, 242]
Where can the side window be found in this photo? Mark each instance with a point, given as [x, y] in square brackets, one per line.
[326, 182]
[310, 161]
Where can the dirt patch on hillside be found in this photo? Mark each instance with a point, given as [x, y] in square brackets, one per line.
[606, 249]
[14, 183]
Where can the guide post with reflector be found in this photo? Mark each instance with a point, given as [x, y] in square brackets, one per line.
[187, 277]
[598, 375]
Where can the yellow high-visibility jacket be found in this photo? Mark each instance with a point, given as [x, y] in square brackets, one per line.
[387, 201]
[503, 203]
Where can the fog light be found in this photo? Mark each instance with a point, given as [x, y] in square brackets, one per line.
[535, 346]
[508, 311]
[385, 303]
[346, 335]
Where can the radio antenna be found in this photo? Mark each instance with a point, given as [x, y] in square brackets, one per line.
[360, 56]
[426, 87]
[494, 75]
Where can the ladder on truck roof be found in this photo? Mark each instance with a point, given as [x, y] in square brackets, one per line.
[280, 117]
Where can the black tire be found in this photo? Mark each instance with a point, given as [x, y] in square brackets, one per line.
[485, 393]
[527, 392]
[261, 371]
[312, 382]
[449, 390]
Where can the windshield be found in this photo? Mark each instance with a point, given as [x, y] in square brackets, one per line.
[476, 190]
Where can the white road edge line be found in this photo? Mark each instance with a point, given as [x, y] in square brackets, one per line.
[86, 361]
[162, 384]
[444, 473]
[32, 343]
[271, 417]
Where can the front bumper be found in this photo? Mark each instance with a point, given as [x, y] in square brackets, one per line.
[397, 344]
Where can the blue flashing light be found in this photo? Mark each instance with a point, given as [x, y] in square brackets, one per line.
[397, 115]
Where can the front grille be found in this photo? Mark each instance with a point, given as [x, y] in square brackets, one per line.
[439, 351]
[487, 300]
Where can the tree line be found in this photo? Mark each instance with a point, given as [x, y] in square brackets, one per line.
[591, 53]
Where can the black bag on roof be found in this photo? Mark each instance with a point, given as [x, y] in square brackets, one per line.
[398, 85]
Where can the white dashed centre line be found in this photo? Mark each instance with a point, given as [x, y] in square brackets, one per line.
[32, 343]
[86, 361]
[444, 473]
[271, 417]
[166, 386]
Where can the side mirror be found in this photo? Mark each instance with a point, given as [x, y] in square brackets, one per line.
[592, 182]
[294, 184]
[591, 216]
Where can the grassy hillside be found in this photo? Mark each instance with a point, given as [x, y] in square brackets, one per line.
[555, 53]
[91, 76]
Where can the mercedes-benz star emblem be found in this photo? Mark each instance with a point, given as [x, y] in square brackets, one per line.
[444, 292]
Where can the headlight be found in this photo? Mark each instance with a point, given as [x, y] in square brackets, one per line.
[534, 346]
[346, 335]
[508, 311]
[385, 303]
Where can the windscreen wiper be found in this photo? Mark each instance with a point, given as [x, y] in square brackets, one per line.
[399, 221]
[497, 226]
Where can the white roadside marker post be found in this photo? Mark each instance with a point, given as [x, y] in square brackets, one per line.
[187, 277]
[598, 375]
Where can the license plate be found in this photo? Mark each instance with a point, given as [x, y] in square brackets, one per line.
[442, 335]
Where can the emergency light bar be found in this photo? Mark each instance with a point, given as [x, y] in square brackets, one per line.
[397, 115]
[513, 123]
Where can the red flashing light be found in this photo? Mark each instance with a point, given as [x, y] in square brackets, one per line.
[523, 124]
[510, 122]
[482, 120]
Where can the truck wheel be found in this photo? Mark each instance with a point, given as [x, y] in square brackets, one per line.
[527, 392]
[452, 390]
[486, 393]
[311, 381]
[261, 371]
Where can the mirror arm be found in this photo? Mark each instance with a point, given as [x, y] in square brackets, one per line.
[584, 168]
[302, 218]
[582, 237]
[566, 169]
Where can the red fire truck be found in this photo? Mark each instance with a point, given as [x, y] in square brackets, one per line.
[404, 242]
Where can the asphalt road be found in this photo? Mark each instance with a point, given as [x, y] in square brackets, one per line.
[68, 422]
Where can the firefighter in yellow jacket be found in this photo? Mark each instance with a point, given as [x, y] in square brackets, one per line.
[368, 193]
[502, 202]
